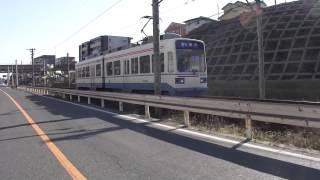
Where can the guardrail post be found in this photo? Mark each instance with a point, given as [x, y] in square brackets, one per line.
[248, 122]
[147, 111]
[102, 103]
[89, 100]
[186, 118]
[120, 106]
[79, 98]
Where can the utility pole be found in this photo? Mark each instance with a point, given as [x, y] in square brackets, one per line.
[8, 78]
[44, 72]
[17, 74]
[156, 47]
[69, 85]
[12, 79]
[32, 53]
[156, 52]
[262, 88]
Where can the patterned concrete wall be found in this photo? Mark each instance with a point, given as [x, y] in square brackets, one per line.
[291, 47]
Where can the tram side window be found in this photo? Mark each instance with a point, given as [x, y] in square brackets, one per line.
[117, 69]
[87, 71]
[126, 67]
[134, 66]
[109, 69]
[161, 62]
[79, 72]
[170, 62]
[98, 70]
[145, 64]
[83, 72]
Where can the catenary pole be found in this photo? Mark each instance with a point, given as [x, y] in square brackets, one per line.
[156, 47]
[17, 74]
[69, 84]
[262, 93]
[32, 62]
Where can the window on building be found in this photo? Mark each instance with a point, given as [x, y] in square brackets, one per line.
[126, 67]
[134, 65]
[117, 68]
[109, 69]
[144, 64]
[98, 70]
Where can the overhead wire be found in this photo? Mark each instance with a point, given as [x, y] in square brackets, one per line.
[87, 24]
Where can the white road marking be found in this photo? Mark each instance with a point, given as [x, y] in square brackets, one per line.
[197, 134]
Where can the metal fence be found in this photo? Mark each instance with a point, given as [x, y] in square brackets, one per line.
[296, 114]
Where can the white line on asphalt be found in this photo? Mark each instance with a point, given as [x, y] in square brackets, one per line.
[197, 134]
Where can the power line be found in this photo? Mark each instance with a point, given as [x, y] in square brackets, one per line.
[87, 24]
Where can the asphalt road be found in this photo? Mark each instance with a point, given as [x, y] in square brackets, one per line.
[104, 146]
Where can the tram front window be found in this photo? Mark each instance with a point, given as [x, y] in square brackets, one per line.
[190, 56]
[190, 60]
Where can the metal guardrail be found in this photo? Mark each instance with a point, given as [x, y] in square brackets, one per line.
[282, 113]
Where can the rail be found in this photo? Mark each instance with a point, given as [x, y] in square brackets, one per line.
[296, 114]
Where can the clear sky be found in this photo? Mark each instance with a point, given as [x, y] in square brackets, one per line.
[50, 25]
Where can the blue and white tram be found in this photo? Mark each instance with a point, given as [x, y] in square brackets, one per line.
[183, 69]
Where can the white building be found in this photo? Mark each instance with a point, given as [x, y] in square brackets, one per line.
[194, 23]
[232, 10]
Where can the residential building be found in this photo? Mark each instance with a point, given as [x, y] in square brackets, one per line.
[62, 64]
[101, 45]
[194, 23]
[177, 28]
[232, 10]
[45, 60]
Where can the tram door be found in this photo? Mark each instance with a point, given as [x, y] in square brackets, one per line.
[126, 73]
[92, 77]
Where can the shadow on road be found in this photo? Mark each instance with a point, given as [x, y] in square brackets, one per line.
[267, 165]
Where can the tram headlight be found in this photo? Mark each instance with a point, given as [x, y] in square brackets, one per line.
[180, 80]
[203, 80]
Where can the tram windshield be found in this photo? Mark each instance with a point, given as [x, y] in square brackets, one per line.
[190, 56]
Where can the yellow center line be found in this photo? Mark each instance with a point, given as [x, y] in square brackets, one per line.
[68, 166]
